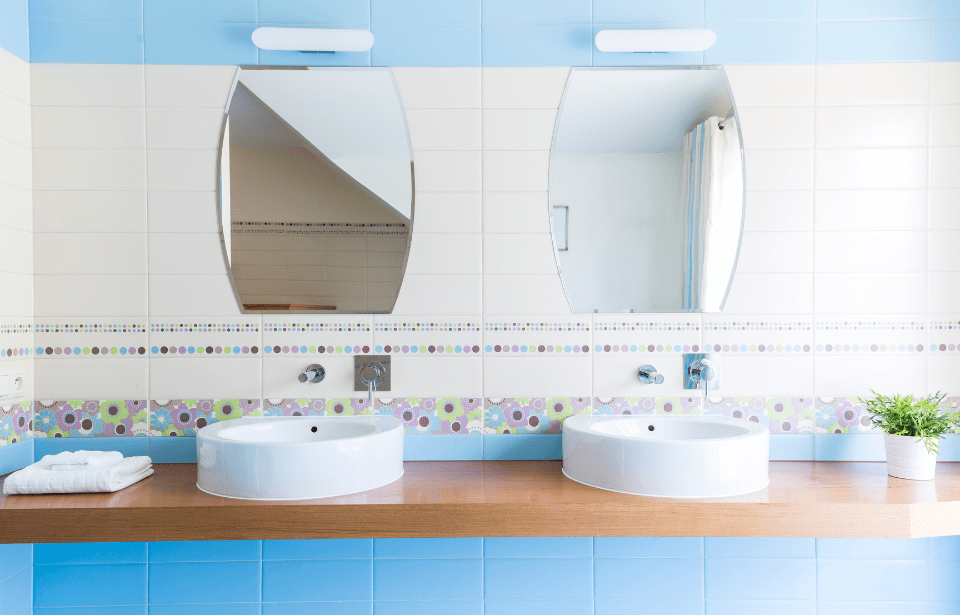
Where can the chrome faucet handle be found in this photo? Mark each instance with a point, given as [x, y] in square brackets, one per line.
[701, 368]
[648, 374]
[378, 375]
[705, 372]
[314, 373]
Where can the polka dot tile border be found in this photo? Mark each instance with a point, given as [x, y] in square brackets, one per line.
[101, 351]
[552, 327]
[203, 350]
[315, 327]
[623, 348]
[14, 352]
[91, 328]
[873, 325]
[537, 349]
[204, 328]
[755, 326]
[303, 349]
[431, 349]
[869, 348]
[427, 327]
[16, 328]
[646, 326]
[944, 347]
[801, 348]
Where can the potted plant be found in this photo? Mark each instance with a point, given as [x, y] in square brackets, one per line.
[912, 430]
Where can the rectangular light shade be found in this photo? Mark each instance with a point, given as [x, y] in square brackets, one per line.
[654, 40]
[312, 39]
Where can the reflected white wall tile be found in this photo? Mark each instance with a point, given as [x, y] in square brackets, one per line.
[90, 253]
[434, 377]
[869, 334]
[184, 127]
[515, 212]
[186, 254]
[871, 210]
[448, 212]
[942, 374]
[515, 171]
[423, 87]
[518, 129]
[852, 376]
[188, 86]
[448, 171]
[943, 292]
[524, 294]
[942, 250]
[944, 83]
[182, 212]
[523, 335]
[70, 211]
[181, 169]
[444, 129]
[429, 295]
[90, 295]
[536, 376]
[779, 169]
[900, 251]
[871, 168]
[518, 254]
[538, 87]
[872, 126]
[70, 379]
[770, 293]
[192, 295]
[780, 85]
[446, 253]
[779, 210]
[89, 169]
[784, 376]
[944, 162]
[776, 127]
[88, 128]
[647, 333]
[872, 84]
[869, 293]
[94, 85]
[205, 378]
[616, 376]
[441, 335]
[776, 252]
[280, 378]
[944, 125]
[767, 335]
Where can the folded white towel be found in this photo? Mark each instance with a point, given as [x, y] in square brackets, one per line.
[82, 460]
[39, 478]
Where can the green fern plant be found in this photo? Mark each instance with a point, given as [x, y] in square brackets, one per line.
[901, 415]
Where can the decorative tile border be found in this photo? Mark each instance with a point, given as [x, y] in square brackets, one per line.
[782, 415]
[436, 416]
[943, 335]
[666, 406]
[871, 348]
[432, 349]
[203, 350]
[550, 327]
[91, 418]
[430, 327]
[741, 334]
[341, 406]
[624, 348]
[842, 415]
[229, 327]
[757, 348]
[15, 352]
[223, 337]
[90, 328]
[19, 346]
[526, 415]
[16, 423]
[454, 335]
[871, 335]
[183, 417]
[319, 228]
[535, 349]
[94, 351]
[646, 326]
[89, 339]
[16, 329]
[944, 347]
[316, 327]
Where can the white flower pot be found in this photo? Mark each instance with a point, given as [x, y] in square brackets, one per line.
[908, 458]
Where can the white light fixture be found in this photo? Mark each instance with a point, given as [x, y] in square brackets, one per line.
[317, 40]
[651, 41]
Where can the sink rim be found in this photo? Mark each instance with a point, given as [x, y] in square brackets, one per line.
[212, 431]
[583, 424]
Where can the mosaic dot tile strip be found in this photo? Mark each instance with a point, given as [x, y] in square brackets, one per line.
[537, 349]
[870, 348]
[315, 327]
[304, 349]
[624, 348]
[318, 228]
[944, 347]
[734, 325]
[429, 327]
[801, 348]
[565, 327]
[530, 415]
[183, 417]
[431, 349]
[159, 327]
[91, 328]
[204, 350]
[842, 415]
[665, 406]
[14, 352]
[646, 326]
[94, 351]
[874, 325]
[16, 423]
[91, 418]
[16, 328]
[782, 415]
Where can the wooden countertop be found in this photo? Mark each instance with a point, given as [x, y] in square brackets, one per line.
[503, 498]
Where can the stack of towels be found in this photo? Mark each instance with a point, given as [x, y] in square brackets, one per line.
[79, 472]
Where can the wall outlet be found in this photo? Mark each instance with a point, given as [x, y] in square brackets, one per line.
[12, 385]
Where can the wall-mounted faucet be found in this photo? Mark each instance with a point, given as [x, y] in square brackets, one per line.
[371, 373]
[701, 369]
[648, 374]
[314, 373]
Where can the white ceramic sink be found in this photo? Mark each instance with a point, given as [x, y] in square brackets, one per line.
[294, 458]
[677, 457]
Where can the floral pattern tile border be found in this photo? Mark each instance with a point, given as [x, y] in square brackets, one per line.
[782, 415]
[16, 423]
[530, 415]
[91, 418]
[183, 417]
[665, 406]
[842, 415]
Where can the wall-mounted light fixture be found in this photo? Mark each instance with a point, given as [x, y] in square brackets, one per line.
[653, 41]
[312, 40]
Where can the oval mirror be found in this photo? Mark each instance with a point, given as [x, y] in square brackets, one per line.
[316, 190]
[646, 189]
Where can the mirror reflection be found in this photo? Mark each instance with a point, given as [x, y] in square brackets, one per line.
[646, 189]
[316, 190]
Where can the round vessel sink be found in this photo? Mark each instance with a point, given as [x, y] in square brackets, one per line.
[677, 457]
[280, 458]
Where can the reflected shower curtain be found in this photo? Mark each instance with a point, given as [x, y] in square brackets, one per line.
[712, 194]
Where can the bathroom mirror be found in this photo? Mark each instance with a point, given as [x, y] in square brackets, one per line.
[316, 190]
[646, 189]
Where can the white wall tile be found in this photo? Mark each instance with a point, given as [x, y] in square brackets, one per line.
[447, 171]
[944, 83]
[779, 210]
[435, 376]
[944, 162]
[16, 207]
[438, 87]
[515, 171]
[779, 169]
[94, 85]
[942, 250]
[184, 127]
[944, 125]
[616, 376]
[181, 170]
[871, 168]
[516, 212]
[17, 300]
[942, 374]
[205, 378]
[944, 208]
[90, 253]
[444, 129]
[89, 169]
[770, 293]
[94, 379]
[182, 212]
[872, 84]
[536, 376]
[762, 376]
[92, 211]
[776, 127]
[192, 295]
[448, 212]
[761, 85]
[15, 164]
[16, 124]
[524, 294]
[871, 210]
[776, 252]
[847, 376]
[518, 254]
[439, 294]
[280, 378]
[876, 251]
[869, 126]
[524, 87]
[870, 293]
[188, 86]
[14, 76]
[90, 295]
[943, 292]
[16, 251]
[518, 129]
[88, 127]
[445, 254]
[186, 254]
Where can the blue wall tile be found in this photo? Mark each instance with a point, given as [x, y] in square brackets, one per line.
[760, 10]
[400, 45]
[760, 548]
[648, 547]
[538, 607]
[426, 448]
[101, 10]
[425, 11]
[330, 580]
[873, 548]
[760, 579]
[944, 9]
[537, 547]
[428, 548]
[16, 594]
[874, 608]
[873, 41]
[312, 608]
[607, 58]
[233, 608]
[14, 34]
[945, 40]
[206, 551]
[20, 7]
[16, 456]
[654, 579]
[445, 607]
[635, 607]
[344, 548]
[405, 579]
[13, 559]
[167, 584]
[326, 12]
[758, 42]
[791, 447]
[650, 11]
[848, 447]
[884, 581]
[536, 11]
[950, 444]
[230, 11]
[198, 43]
[90, 585]
[173, 450]
[874, 9]
[87, 42]
[90, 553]
[548, 45]
[522, 446]
[761, 607]
[943, 581]
[945, 547]
[130, 447]
[94, 610]
[296, 58]
[567, 579]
